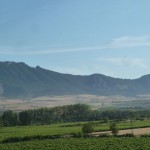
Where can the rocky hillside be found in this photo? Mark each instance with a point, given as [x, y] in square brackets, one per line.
[21, 80]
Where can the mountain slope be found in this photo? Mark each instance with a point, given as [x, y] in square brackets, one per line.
[21, 80]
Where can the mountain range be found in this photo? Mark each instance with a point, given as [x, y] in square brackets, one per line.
[18, 80]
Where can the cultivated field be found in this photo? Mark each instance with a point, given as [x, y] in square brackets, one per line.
[69, 143]
[64, 129]
[140, 101]
[131, 143]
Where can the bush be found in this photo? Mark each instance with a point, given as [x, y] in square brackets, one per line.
[129, 135]
[145, 135]
[126, 135]
[78, 135]
[88, 128]
[104, 135]
[114, 129]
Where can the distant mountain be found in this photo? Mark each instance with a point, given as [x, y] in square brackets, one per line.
[21, 80]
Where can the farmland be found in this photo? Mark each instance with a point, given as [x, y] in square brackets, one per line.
[82, 144]
[72, 143]
[62, 129]
[96, 102]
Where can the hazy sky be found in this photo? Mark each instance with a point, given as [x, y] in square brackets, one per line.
[110, 37]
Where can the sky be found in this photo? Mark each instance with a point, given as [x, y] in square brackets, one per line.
[78, 37]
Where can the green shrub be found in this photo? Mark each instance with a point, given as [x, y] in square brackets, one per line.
[88, 128]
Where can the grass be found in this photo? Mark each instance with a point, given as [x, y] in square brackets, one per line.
[21, 131]
[124, 125]
[109, 143]
[62, 129]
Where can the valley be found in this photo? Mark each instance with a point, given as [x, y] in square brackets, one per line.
[95, 101]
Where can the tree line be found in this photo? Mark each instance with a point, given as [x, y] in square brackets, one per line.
[68, 113]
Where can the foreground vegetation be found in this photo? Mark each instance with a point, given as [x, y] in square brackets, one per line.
[41, 137]
[28, 132]
[64, 128]
[112, 143]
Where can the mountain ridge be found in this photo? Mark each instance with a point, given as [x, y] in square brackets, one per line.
[17, 79]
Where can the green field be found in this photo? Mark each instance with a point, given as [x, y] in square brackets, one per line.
[21, 131]
[61, 129]
[124, 125]
[72, 143]
[82, 144]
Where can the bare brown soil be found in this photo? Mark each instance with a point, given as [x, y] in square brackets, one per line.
[136, 132]
[51, 101]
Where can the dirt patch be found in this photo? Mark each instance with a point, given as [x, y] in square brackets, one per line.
[136, 132]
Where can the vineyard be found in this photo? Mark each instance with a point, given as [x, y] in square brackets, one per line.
[82, 144]
[67, 143]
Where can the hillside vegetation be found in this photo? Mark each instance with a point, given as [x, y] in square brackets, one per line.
[21, 80]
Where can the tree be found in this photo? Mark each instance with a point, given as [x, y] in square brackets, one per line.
[24, 118]
[105, 119]
[114, 129]
[1, 124]
[88, 128]
[9, 118]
